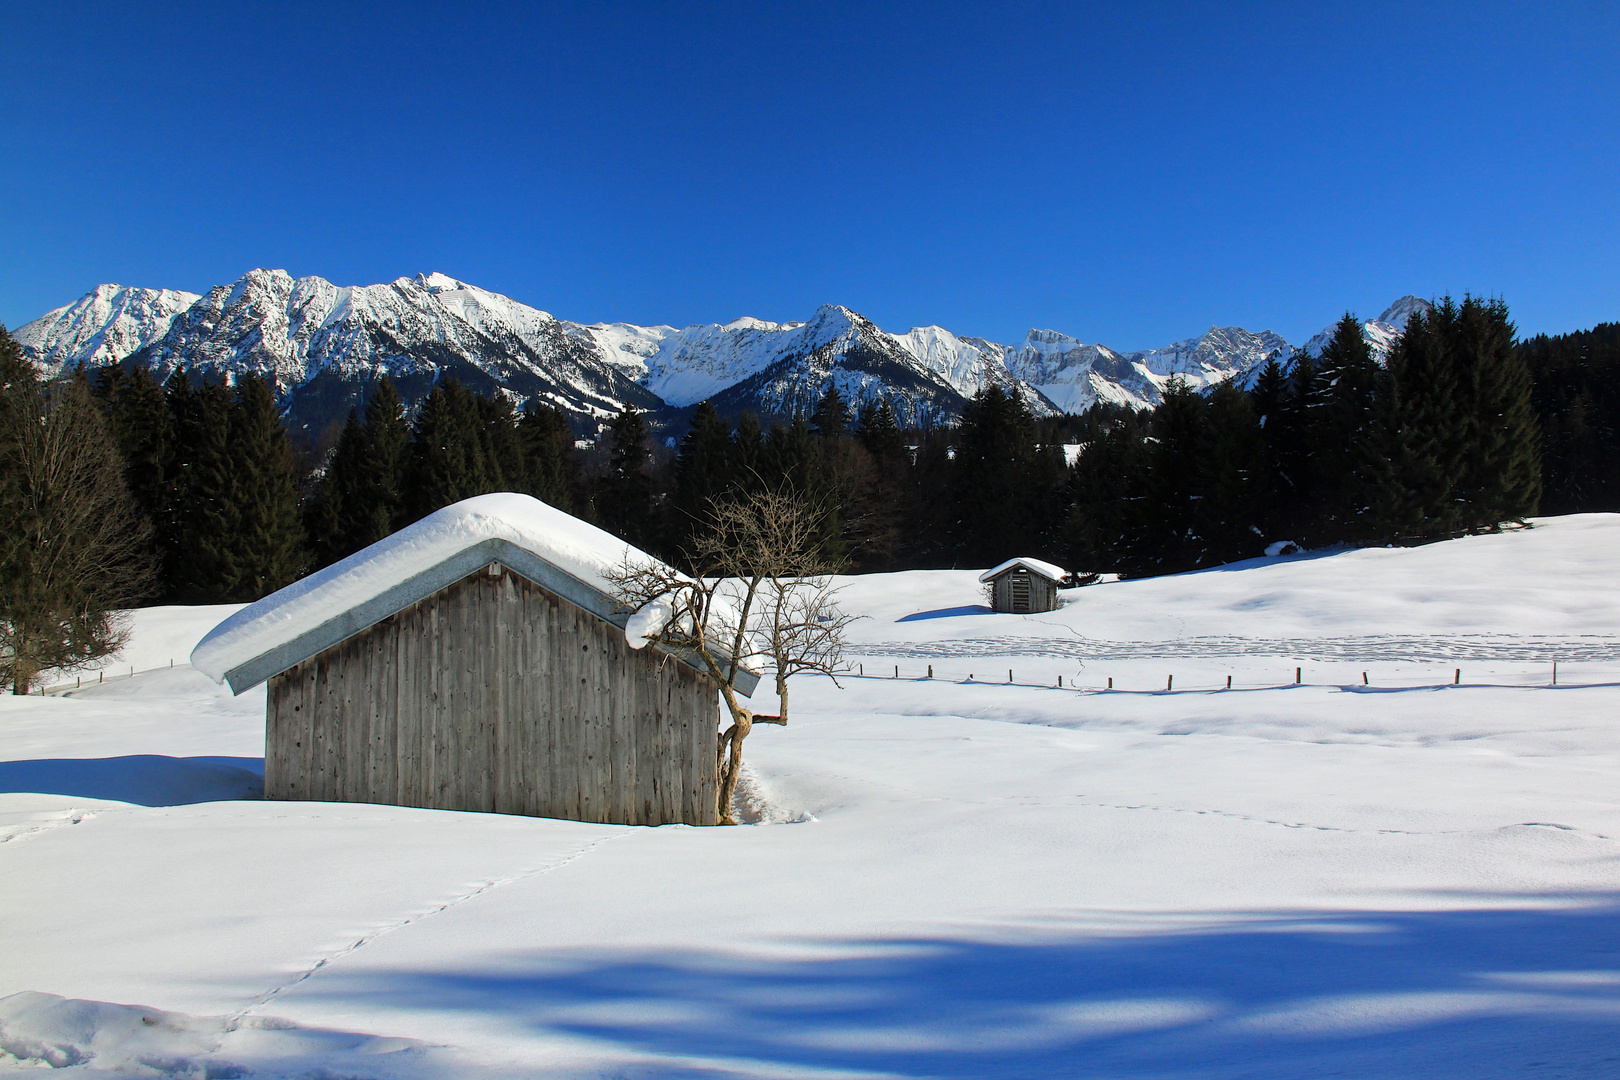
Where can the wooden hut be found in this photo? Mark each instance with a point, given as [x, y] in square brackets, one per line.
[475, 661]
[1024, 586]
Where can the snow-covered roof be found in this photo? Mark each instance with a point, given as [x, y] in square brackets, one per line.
[558, 551]
[1034, 566]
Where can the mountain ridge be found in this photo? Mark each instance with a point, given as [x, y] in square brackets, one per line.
[323, 344]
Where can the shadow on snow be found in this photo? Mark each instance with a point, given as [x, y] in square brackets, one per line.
[947, 613]
[142, 779]
[1437, 994]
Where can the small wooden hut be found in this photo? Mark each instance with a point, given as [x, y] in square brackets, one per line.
[1024, 586]
[475, 661]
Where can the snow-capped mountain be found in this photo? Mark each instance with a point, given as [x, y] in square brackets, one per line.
[1073, 375]
[103, 326]
[322, 344]
[1379, 333]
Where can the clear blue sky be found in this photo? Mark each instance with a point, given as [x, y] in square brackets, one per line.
[1127, 173]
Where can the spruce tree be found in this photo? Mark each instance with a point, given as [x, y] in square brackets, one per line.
[445, 459]
[747, 451]
[703, 470]
[790, 454]
[878, 430]
[831, 416]
[1420, 435]
[997, 485]
[333, 515]
[551, 470]
[1171, 529]
[1500, 477]
[1339, 429]
[387, 438]
[268, 548]
[1229, 508]
[500, 446]
[143, 429]
[1106, 493]
[204, 501]
[1575, 380]
[624, 499]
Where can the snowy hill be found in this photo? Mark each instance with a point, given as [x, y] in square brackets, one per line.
[980, 875]
[321, 343]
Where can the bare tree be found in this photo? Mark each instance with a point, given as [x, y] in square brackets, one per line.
[763, 594]
[74, 548]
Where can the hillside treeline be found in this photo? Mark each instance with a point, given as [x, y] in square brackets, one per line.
[1463, 429]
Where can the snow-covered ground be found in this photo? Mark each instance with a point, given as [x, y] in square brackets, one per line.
[1400, 877]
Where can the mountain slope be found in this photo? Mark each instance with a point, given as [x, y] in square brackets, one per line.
[103, 326]
[323, 344]
[1380, 333]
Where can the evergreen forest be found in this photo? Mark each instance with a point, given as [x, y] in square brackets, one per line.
[1464, 429]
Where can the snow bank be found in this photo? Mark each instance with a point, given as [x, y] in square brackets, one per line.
[573, 546]
[1045, 569]
[131, 1040]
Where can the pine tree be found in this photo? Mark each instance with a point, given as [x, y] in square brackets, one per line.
[1575, 381]
[878, 430]
[143, 430]
[1002, 495]
[1172, 527]
[1106, 493]
[1501, 471]
[1342, 420]
[500, 447]
[748, 451]
[334, 514]
[831, 416]
[1230, 507]
[552, 473]
[387, 440]
[1420, 435]
[624, 499]
[268, 546]
[703, 470]
[445, 459]
[204, 501]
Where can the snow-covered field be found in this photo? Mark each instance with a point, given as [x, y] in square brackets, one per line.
[1396, 877]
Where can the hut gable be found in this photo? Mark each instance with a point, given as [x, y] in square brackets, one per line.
[1024, 586]
[570, 557]
[475, 661]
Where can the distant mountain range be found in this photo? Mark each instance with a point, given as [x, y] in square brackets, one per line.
[322, 344]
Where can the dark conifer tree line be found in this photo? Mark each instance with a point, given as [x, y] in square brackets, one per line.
[1441, 441]
[1461, 430]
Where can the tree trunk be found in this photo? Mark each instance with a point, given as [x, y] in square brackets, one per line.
[731, 763]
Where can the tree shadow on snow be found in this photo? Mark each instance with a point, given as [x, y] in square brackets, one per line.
[1401, 995]
[142, 779]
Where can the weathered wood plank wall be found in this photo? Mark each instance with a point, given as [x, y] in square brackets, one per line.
[496, 695]
[1042, 593]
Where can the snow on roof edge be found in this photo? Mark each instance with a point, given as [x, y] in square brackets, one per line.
[576, 547]
[1038, 566]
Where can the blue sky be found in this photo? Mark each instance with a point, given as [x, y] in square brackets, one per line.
[1127, 173]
